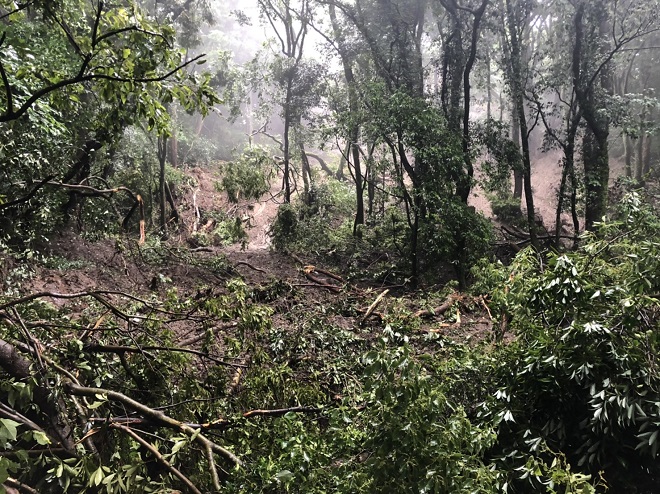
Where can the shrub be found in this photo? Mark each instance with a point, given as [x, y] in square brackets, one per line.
[581, 379]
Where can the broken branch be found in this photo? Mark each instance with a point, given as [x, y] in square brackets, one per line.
[155, 416]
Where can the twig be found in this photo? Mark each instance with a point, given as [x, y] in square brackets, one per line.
[281, 411]
[239, 263]
[158, 457]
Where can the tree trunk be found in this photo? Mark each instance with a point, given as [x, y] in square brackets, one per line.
[639, 165]
[306, 173]
[595, 152]
[354, 130]
[628, 150]
[286, 182]
[647, 155]
[162, 159]
[517, 82]
[517, 172]
[596, 176]
[465, 184]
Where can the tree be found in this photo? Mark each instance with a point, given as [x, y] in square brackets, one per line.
[105, 63]
[289, 21]
[593, 52]
[516, 17]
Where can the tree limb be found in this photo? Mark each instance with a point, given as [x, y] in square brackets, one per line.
[156, 417]
[10, 114]
[373, 306]
[281, 411]
[130, 349]
[158, 457]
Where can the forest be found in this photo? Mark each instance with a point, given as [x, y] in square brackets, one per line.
[329, 246]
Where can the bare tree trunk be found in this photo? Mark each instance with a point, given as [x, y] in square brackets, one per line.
[517, 172]
[162, 159]
[517, 81]
[286, 179]
[306, 173]
[354, 131]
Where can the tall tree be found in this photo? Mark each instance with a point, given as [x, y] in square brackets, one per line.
[99, 67]
[516, 17]
[289, 20]
[601, 30]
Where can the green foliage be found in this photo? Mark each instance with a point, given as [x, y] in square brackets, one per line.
[77, 75]
[248, 176]
[507, 209]
[580, 377]
[320, 225]
[405, 436]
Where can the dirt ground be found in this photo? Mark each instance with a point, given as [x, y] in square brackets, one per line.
[123, 265]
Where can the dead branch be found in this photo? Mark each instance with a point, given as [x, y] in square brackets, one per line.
[158, 457]
[373, 306]
[329, 274]
[308, 268]
[324, 165]
[297, 259]
[156, 417]
[200, 337]
[319, 282]
[129, 349]
[442, 308]
[314, 285]
[243, 263]
[96, 294]
[281, 411]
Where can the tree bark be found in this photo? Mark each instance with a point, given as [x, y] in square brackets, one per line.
[162, 193]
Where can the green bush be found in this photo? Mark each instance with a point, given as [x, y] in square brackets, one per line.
[324, 224]
[247, 177]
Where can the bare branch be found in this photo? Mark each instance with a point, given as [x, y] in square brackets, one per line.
[281, 411]
[156, 417]
[158, 457]
[130, 349]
